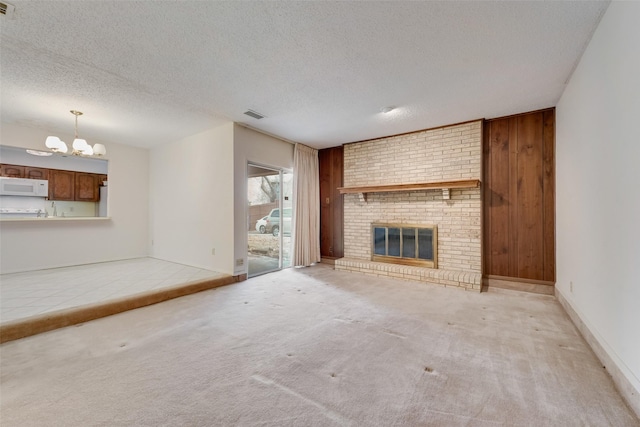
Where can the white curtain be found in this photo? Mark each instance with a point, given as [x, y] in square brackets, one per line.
[306, 188]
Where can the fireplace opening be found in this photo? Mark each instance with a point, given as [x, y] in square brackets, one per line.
[405, 244]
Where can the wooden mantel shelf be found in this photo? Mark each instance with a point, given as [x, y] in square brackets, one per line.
[445, 186]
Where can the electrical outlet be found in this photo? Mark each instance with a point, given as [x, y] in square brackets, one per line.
[571, 286]
[213, 251]
[239, 262]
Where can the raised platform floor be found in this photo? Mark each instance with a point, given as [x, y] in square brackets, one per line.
[39, 301]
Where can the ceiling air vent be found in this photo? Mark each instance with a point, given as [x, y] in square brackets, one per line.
[254, 114]
[6, 9]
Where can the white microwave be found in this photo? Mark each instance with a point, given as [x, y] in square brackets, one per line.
[23, 187]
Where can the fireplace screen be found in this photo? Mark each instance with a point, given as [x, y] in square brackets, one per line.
[405, 244]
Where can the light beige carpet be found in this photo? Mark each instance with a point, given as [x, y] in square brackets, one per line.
[315, 347]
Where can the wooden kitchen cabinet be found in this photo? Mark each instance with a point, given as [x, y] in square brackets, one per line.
[36, 173]
[13, 171]
[74, 186]
[61, 185]
[87, 187]
[17, 171]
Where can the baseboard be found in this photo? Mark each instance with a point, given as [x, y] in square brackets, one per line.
[33, 325]
[624, 386]
[536, 287]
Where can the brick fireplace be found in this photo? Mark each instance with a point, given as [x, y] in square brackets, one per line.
[427, 178]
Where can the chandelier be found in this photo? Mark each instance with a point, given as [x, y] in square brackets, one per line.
[80, 146]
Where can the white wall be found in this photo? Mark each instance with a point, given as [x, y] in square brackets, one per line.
[43, 244]
[255, 147]
[176, 202]
[598, 188]
[191, 200]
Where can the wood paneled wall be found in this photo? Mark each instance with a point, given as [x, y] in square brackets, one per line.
[519, 196]
[331, 163]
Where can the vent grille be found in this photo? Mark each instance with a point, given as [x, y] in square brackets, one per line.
[254, 114]
[6, 9]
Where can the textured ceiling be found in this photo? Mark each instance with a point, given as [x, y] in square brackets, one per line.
[151, 72]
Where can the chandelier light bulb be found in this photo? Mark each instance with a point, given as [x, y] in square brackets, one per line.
[79, 144]
[87, 151]
[52, 142]
[99, 150]
[62, 147]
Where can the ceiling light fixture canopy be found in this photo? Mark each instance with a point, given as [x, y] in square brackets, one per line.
[387, 109]
[80, 146]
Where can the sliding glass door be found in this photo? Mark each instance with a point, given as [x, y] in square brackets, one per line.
[270, 215]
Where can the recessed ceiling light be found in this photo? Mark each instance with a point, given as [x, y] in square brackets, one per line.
[40, 153]
[387, 109]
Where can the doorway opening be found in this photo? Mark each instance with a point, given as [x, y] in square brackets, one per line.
[269, 218]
